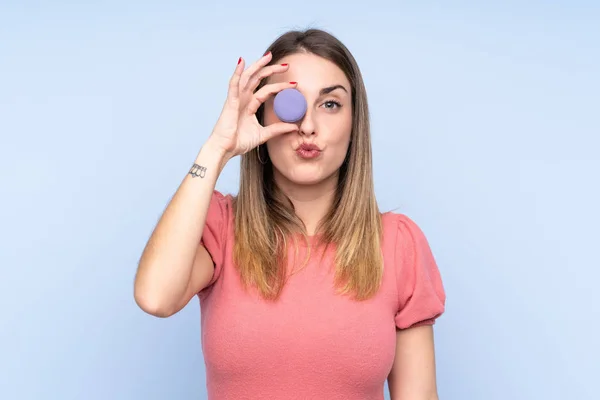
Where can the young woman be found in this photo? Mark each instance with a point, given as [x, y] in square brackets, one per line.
[307, 290]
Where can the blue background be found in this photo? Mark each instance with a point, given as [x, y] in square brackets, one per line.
[485, 125]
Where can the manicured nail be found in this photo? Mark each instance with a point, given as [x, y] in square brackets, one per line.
[239, 60]
[284, 65]
[267, 53]
[293, 83]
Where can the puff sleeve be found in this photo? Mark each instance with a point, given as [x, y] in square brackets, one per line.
[421, 292]
[214, 235]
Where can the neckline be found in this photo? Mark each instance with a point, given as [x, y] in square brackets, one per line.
[309, 240]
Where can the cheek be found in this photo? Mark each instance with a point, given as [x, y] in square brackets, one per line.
[269, 116]
[341, 135]
[341, 143]
[275, 146]
[343, 148]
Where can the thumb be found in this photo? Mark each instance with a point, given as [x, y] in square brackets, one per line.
[276, 129]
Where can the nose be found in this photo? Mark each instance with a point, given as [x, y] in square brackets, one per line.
[307, 124]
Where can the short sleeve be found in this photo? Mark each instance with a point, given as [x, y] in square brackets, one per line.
[421, 292]
[214, 235]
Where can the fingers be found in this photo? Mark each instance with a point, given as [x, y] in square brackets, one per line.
[234, 82]
[263, 61]
[278, 128]
[263, 73]
[263, 94]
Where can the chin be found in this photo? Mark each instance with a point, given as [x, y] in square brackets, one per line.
[309, 181]
[305, 175]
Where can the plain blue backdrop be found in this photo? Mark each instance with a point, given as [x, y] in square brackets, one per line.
[485, 132]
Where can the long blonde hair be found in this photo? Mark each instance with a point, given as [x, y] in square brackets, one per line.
[265, 217]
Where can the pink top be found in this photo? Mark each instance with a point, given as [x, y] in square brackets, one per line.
[312, 343]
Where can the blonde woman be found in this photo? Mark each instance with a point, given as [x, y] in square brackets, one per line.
[307, 290]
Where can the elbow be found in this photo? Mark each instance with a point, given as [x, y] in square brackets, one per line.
[151, 303]
[433, 396]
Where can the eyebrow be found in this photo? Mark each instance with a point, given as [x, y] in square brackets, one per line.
[330, 89]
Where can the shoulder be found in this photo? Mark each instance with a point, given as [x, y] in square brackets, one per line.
[220, 207]
[409, 242]
[221, 199]
[218, 221]
[402, 230]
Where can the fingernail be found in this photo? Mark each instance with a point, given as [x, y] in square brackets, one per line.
[267, 53]
[284, 65]
[239, 60]
[293, 83]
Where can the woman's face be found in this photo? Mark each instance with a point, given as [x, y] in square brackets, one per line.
[326, 124]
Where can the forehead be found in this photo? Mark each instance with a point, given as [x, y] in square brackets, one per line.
[312, 72]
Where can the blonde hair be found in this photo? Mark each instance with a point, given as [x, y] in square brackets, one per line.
[265, 217]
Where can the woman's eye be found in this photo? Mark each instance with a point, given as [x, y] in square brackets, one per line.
[331, 104]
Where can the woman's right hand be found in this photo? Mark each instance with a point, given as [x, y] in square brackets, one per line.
[237, 130]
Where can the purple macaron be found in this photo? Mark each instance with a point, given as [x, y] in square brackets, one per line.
[289, 105]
